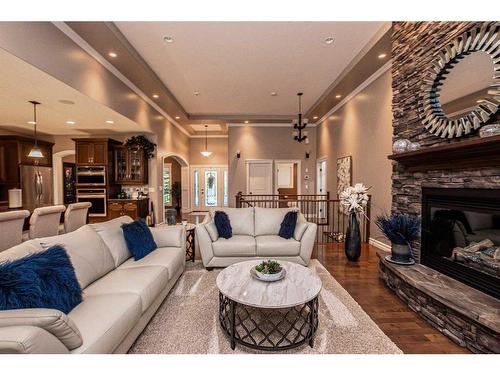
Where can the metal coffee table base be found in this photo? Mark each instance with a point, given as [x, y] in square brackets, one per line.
[268, 329]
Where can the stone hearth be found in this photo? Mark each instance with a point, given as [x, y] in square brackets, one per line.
[468, 317]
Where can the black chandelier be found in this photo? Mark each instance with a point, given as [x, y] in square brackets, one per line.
[298, 124]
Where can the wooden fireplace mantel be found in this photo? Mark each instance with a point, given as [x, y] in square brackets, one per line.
[471, 153]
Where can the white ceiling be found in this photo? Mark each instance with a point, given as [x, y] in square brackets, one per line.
[21, 82]
[236, 65]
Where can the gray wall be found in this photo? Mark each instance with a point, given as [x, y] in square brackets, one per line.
[268, 143]
[362, 128]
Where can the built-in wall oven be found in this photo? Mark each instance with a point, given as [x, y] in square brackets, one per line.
[95, 196]
[91, 175]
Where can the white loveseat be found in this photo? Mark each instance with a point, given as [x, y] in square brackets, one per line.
[255, 236]
[120, 295]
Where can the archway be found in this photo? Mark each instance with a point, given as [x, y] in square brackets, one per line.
[184, 181]
[57, 175]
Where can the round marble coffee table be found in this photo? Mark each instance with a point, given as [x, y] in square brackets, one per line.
[271, 316]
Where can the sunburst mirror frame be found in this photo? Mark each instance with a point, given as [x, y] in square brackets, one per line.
[486, 39]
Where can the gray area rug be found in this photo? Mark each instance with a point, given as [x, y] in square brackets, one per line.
[187, 321]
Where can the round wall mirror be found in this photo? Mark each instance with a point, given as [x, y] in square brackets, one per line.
[462, 87]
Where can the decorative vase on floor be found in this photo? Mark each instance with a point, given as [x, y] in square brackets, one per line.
[353, 239]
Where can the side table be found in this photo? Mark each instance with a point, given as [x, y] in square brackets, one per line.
[190, 243]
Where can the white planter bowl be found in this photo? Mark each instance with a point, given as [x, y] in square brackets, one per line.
[270, 276]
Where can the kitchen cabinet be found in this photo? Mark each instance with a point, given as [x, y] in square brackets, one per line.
[91, 152]
[14, 152]
[131, 166]
[135, 208]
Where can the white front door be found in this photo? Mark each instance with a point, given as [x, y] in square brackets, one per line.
[209, 188]
[259, 177]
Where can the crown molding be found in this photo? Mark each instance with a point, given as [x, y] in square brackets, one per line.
[209, 136]
[266, 125]
[70, 33]
[357, 90]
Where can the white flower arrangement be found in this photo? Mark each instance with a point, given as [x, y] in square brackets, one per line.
[354, 198]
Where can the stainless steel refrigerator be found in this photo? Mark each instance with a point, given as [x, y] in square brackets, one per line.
[37, 186]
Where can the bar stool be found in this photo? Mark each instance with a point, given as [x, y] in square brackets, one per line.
[76, 216]
[11, 228]
[45, 221]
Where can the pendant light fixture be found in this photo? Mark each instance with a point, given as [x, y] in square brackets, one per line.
[206, 153]
[298, 124]
[35, 151]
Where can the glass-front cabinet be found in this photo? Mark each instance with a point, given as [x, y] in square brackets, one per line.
[131, 166]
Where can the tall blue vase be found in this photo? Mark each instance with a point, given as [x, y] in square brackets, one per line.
[353, 239]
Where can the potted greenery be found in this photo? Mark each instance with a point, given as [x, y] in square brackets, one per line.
[141, 142]
[401, 230]
[269, 270]
[176, 192]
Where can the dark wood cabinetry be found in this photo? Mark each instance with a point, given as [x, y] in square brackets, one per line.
[131, 166]
[135, 208]
[92, 151]
[14, 152]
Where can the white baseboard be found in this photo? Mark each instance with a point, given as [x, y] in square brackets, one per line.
[379, 245]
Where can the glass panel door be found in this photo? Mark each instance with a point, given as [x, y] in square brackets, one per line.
[210, 199]
[135, 164]
[121, 164]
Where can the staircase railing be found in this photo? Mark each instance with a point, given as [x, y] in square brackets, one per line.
[328, 213]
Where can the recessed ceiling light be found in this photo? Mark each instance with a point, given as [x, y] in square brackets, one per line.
[66, 101]
[177, 117]
[246, 121]
[274, 93]
[196, 93]
[338, 96]
[315, 117]
[112, 54]
[156, 96]
[110, 122]
[329, 40]
[71, 122]
[168, 39]
[382, 55]
[31, 122]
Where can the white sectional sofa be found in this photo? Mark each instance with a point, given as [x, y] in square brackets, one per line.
[255, 236]
[120, 295]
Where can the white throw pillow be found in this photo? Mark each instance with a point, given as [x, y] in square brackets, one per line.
[300, 227]
[212, 231]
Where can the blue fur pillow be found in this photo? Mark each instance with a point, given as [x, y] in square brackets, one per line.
[41, 280]
[287, 227]
[138, 238]
[223, 225]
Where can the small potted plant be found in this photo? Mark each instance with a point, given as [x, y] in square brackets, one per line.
[176, 192]
[401, 230]
[269, 270]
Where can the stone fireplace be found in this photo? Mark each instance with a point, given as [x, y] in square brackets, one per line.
[461, 235]
[454, 185]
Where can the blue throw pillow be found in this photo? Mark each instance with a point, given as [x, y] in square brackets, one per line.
[41, 280]
[287, 227]
[223, 225]
[138, 238]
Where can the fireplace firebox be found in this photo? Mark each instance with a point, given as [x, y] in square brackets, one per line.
[461, 235]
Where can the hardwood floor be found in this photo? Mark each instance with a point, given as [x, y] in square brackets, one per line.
[403, 326]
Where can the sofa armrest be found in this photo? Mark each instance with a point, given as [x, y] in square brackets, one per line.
[53, 321]
[204, 243]
[29, 340]
[169, 236]
[307, 242]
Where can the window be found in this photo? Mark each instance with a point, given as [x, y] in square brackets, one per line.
[196, 188]
[226, 189]
[167, 184]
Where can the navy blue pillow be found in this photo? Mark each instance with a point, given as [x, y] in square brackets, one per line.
[41, 280]
[223, 225]
[138, 238]
[287, 227]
